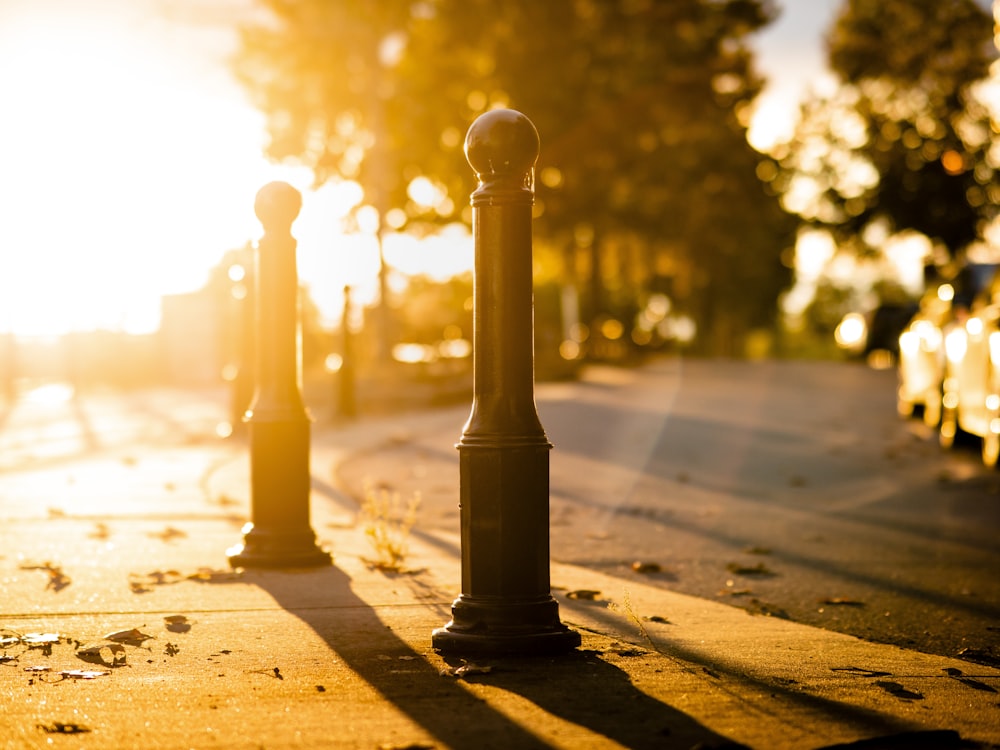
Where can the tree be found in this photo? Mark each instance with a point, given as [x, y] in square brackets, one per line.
[641, 105]
[905, 144]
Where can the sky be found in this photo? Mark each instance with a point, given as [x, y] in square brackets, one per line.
[129, 161]
[790, 53]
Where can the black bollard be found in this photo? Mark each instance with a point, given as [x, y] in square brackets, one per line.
[346, 396]
[506, 605]
[279, 534]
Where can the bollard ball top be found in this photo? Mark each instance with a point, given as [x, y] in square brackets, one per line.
[502, 142]
[277, 205]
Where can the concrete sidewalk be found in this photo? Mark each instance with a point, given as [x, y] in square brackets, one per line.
[340, 657]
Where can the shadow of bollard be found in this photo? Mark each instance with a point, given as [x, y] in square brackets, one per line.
[279, 534]
[506, 605]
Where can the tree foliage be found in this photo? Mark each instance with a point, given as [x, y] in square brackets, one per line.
[641, 105]
[905, 143]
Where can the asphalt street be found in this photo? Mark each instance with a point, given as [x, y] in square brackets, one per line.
[789, 489]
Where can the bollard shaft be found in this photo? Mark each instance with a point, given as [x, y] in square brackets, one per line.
[277, 395]
[503, 329]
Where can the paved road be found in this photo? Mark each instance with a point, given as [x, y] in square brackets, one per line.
[788, 489]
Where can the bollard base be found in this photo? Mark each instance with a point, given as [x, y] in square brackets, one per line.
[278, 550]
[505, 628]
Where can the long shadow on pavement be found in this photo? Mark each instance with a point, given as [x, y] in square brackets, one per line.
[579, 687]
[584, 689]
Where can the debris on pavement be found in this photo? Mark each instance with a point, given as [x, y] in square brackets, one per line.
[168, 534]
[99, 654]
[58, 727]
[584, 594]
[465, 669]
[58, 580]
[141, 583]
[177, 623]
[646, 567]
[83, 674]
[132, 637]
[760, 569]
[763, 609]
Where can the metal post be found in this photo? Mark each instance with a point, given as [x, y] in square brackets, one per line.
[278, 534]
[506, 605]
[346, 397]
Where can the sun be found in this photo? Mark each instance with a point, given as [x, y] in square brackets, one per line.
[128, 165]
[129, 162]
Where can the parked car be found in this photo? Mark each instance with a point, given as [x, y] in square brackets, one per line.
[921, 365]
[970, 402]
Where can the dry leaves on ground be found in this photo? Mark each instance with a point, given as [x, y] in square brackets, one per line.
[58, 580]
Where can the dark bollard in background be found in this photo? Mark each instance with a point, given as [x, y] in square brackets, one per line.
[347, 402]
[506, 605]
[279, 534]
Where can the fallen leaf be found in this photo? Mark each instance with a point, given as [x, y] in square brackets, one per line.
[133, 637]
[621, 650]
[38, 668]
[171, 650]
[34, 640]
[465, 670]
[177, 623]
[140, 582]
[760, 569]
[735, 592]
[83, 674]
[211, 575]
[588, 594]
[757, 607]
[658, 619]
[100, 653]
[57, 579]
[57, 727]
[168, 534]
[842, 602]
[646, 567]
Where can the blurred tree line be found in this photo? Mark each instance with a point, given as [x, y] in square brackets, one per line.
[906, 143]
[650, 202]
[646, 185]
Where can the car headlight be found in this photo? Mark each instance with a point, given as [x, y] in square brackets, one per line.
[995, 348]
[929, 334]
[955, 345]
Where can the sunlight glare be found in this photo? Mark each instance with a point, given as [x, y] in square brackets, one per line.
[129, 163]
